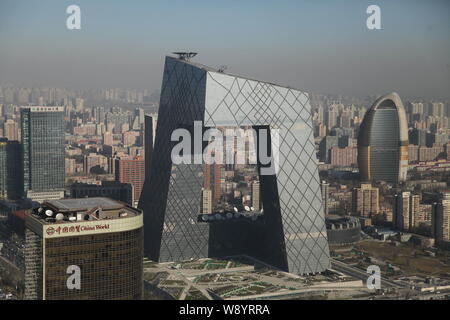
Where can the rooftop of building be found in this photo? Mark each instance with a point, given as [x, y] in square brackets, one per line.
[337, 219]
[222, 71]
[84, 204]
[82, 209]
[43, 108]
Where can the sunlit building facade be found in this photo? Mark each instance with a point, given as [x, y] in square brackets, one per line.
[100, 237]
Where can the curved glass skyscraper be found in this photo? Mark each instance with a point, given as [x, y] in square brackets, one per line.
[383, 141]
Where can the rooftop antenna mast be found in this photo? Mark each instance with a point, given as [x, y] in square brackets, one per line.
[222, 69]
[186, 56]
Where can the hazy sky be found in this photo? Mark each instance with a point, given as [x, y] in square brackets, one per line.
[319, 46]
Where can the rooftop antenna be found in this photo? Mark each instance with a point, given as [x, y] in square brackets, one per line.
[186, 56]
[222, 69]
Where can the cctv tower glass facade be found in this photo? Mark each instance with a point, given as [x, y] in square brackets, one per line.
[292, 234]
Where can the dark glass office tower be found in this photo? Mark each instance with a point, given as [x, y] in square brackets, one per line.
[290, 234]
[10, 169]
[42, 149]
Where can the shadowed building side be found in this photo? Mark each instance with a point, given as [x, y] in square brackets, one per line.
[150, 125]
[171, 193]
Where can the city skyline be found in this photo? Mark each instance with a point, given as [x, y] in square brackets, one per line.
[238, 150]
[319, 47]
[96, 136]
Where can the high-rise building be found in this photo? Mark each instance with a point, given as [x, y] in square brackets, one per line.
[438, 109]
[11, 130]
[42, 135]
[332, 116]
[320, 114]
[99, 114]
[414, 210]
[325, 147]
[383, 141]
[325, 191]
[79, 104]
[366, 200]
[108, 138]
[436, 139]
[95, 163]
[418, 137]
[131, 170]
[321, 130]
[413, 153]
[138, 118]
[207, 201]
[256, 196]
[441, 219]
[346, 156]
[110, 189]
[345, 119]
[347, 141]
[293, 236]
[10, 169]
[89, 249]
[424, 214]
[406, 209]
[71, 166]
[212, 180]
[117, 119]
[431, 154]
[417, 108]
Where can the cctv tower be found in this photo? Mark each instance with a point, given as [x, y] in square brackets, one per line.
[291, 233]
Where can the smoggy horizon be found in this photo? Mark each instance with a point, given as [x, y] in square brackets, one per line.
[321, 48]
